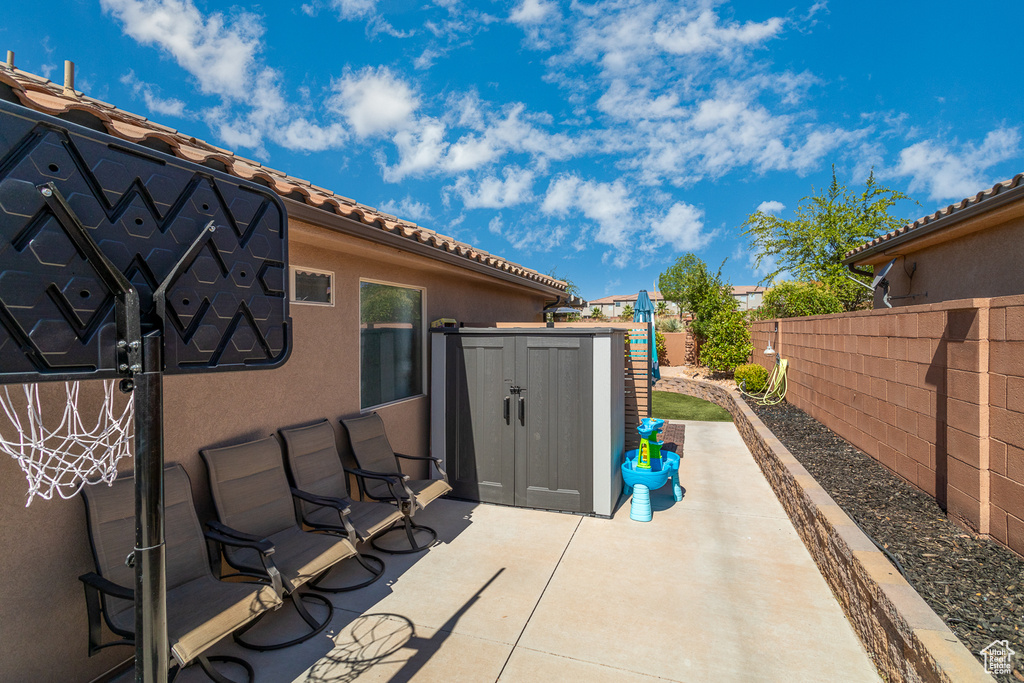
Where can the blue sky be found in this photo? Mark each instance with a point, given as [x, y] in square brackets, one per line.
[598, 139]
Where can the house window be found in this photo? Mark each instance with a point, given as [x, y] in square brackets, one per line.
[311, 286]
[391, 340]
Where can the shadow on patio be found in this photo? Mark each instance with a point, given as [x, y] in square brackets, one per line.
[718, 587]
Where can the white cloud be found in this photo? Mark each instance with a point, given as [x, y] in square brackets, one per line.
[420, 150]
[154, 103]
[495, 225]
[354, 9]
[952, 171]
[609, 205]
[218, 51]
[682, 228]
[627, 102]
[408, 208]
[495, 193]
[771, 206]
[683, 35]
[532, 12]
[374, 101]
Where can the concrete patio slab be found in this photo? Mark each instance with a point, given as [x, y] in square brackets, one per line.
[718, 587]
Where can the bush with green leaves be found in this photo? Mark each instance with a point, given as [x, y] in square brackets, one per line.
[659, 346]
[627, 313]
[694, 288]
[596, 313]
[669, 325]
[728, 342]
[797, 299]
[751, 376]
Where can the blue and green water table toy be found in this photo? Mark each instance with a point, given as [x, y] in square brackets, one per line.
[648, 468]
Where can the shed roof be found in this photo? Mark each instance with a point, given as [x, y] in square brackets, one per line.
[986, 200]
[42, 95]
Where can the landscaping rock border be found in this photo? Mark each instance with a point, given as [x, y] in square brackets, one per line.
[903, 635]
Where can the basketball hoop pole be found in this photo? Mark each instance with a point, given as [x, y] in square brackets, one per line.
[151, 660]
[140, 363]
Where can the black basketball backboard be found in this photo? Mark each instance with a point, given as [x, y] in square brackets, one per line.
[226, 310]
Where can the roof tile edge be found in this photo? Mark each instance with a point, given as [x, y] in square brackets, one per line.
[40, 94]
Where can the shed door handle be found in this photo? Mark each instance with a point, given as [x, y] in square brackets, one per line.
[522, 411]
[508, 403]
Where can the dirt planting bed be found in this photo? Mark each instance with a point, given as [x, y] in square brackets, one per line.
[975, 585]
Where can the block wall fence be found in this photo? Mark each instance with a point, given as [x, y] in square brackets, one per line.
[933, 392]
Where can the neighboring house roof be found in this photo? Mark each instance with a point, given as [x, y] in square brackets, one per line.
[625, 298]
[986, 200]
[740, 290]
[40, 94]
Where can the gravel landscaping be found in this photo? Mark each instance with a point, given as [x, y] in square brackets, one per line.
[976, 586]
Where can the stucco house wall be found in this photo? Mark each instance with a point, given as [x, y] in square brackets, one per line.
[972, 249]
[43, 632]
[43, 629]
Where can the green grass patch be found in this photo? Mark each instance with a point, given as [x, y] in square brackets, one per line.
[669, 405]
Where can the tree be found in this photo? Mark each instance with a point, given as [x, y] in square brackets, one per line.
[811, 246]
[720, 330]
[627, 312]
[597, 313]
[661, 309]
[794, 299]
[691, 286]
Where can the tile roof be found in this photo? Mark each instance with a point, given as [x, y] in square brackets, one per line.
[41, 94]
[951, 210]
[655, 296]
[747, 289]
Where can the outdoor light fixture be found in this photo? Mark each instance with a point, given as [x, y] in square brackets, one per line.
[770, 351]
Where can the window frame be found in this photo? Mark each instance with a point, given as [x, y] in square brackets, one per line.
[424, 386]
[318, 271]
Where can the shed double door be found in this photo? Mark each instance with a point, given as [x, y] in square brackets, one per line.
[520, 409]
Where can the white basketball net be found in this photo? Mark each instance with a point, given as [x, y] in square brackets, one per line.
[70, 455]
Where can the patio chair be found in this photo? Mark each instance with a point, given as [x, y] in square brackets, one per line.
[200, 609]
[322, 484]
[380, 478]
[254, 502]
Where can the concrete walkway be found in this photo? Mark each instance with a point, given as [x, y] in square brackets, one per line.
[717, 588]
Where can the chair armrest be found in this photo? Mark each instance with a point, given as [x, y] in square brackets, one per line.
[436, 461]
[368, 474]
[94, 580]
[327, 501]
[262, 546]
[339, 504]
[239, 538]
[225, 535]
[390, 478]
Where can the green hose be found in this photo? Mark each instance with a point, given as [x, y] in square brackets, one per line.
[776, 390]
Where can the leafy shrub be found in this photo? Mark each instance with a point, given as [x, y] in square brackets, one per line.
[627, 313]
[596, 313]
[669, 325]
[659, 346]
[728, 342]
[796, 299]
[754, 375]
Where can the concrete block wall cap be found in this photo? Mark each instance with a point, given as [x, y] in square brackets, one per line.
[912, 607]
[953, 660]
[850, 534]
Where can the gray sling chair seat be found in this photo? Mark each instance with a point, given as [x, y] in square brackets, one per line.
[254, 502]
[200, 609]
[380, 478]
[317, 472]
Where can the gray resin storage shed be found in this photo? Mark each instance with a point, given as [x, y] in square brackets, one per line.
[530, 417]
